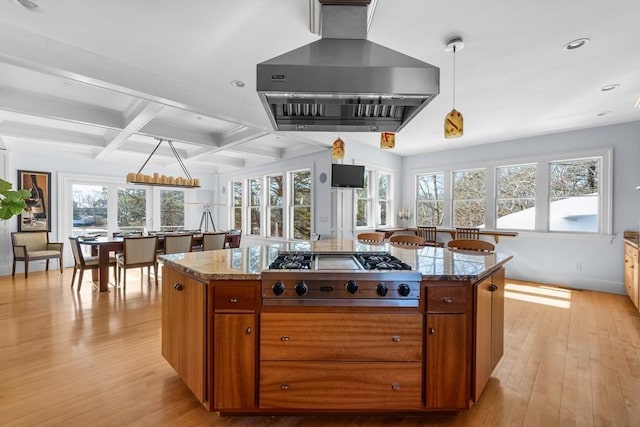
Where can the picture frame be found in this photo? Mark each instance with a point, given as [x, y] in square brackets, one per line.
[38, 217]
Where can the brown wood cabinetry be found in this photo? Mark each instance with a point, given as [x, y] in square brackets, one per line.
[234, 346]
[631, 267]
[183, 328]
[489, 329]
[447, 347]
[340, 361]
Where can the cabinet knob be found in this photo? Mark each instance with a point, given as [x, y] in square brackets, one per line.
[447, 300]
[395, 387]
[395, 339]
[178, 287]
[284, 338]
[432, 330]
[248, 331]
[233, 300]
[284, 387]
[492, 288]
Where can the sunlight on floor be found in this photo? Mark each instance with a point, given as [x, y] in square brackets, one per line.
[546, 295]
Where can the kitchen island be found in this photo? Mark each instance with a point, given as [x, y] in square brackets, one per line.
[240, 348]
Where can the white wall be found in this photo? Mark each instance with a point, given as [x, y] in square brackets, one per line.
[549, 258]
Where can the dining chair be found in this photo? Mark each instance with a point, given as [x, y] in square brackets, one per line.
[137, 252]
[371, 237]
[429, 234]
[82, 263]
[471, 245]
[467, 233]
[234, 238]
[213, 241]
[403, 233]
[405, 240]
[178, 243]
[33, 246]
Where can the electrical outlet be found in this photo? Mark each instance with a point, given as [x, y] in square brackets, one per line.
[579, 266]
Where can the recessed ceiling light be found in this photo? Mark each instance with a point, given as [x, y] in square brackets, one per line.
[576, 44]
[609, 87]
[237, 83]
[199, 117]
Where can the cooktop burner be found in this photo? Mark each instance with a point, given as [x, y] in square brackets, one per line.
[292, 262]
[382, 262]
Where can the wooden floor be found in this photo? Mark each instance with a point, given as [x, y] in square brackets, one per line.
[572, 358]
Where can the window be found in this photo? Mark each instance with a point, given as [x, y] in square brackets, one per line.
[364, 203]
[574, 195]
[275, 203]
[430, 199]
[516, 197]
[132, 209]
[171, 210]
[236, 205]
[89, 209]
[384, 202]
[469, 198]
[301, 205]
[255, 190]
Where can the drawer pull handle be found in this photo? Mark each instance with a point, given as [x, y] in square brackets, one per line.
[233, 300]
[248, 331]
[178, 287]
[284, 338]
[396, 339]
[284, 387]
[447, 300]
[432, 330]
[395, 387]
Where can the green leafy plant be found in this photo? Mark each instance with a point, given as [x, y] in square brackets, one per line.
[12, 202]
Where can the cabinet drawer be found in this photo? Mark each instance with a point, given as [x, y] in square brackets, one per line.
[340, 385]
[235, 297]
[448, 299]
[343, 336]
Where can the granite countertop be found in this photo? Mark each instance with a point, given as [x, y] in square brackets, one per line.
[247, 263]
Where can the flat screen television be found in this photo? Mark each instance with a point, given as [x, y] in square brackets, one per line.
[347, 176]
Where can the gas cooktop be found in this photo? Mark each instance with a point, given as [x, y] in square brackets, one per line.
[332, 262]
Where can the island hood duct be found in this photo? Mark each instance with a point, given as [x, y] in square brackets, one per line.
[343, 82]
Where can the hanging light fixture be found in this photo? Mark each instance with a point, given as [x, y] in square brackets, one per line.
[337, 149]
[163, 180]
[453, 122]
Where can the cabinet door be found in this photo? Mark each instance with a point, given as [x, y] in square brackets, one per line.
[234, 373]
[183, 326]
[447, 377]
[497, 318]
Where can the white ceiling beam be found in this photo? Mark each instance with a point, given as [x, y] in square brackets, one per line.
[175, 133]
[231, 139]
[141, 115]
[47, 134]
[32, 104]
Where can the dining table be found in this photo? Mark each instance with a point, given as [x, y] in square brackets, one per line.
[102, 246]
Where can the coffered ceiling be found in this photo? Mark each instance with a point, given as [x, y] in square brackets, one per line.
[103, 79]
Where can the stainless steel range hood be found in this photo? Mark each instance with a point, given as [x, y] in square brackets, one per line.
[344, 82]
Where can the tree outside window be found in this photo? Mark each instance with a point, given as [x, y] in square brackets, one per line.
[516, 197]
[430, 199]
[132, 208]
[275, 203]
[301, 204]
[385, 216]
[89, 209]
[469, 196]
[364, 203]
[236, 205]
[255, 198]
[171, 210]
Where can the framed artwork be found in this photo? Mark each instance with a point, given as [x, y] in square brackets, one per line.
[38, 215]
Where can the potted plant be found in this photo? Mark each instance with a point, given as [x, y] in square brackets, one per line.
[12, 202]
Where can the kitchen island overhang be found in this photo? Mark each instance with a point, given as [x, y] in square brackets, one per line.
[243, 356]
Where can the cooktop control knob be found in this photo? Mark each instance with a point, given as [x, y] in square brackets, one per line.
[352, 286]
[278, 288]
[404, 290]
[381, 289]
[301, 288]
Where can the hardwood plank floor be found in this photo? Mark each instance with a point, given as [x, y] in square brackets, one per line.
[80, 359]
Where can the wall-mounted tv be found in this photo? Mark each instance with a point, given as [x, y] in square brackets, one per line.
[347, 176]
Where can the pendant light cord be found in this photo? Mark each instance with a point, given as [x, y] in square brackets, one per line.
[454, 77]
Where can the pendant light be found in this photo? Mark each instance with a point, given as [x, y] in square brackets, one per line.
[337, 149]
[453, 122]
[387, 140]
[164, 180]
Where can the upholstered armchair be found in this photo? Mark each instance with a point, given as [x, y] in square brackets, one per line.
[33, 246]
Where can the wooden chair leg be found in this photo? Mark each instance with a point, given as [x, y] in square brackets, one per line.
[47, 268]
[26, 269]
[155, 273]
[73, 278]
[80, 279]
[60, 263]
[13, 272]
